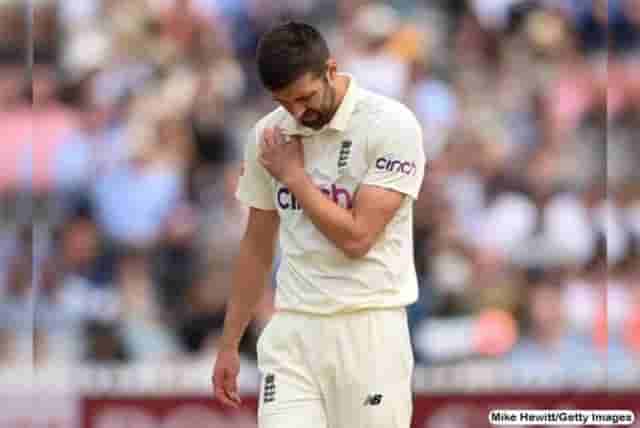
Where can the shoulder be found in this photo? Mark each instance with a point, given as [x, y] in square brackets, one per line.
[274, 118]
[389, 125]
[382, 110]
[271, 119]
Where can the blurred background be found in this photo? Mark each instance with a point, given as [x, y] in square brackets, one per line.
[121, 147]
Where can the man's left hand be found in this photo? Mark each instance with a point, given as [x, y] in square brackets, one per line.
[284, 160]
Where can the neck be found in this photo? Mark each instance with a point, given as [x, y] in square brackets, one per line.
[342, 85]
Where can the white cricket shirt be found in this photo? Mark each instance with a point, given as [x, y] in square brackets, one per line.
[371, 140]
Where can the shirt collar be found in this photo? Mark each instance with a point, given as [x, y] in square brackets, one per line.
[338, 122]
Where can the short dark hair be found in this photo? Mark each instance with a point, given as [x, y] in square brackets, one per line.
[288, 51]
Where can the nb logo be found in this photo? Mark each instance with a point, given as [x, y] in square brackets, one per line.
[372, 400]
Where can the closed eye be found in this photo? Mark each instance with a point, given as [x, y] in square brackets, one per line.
[297, 100]
[307, 98]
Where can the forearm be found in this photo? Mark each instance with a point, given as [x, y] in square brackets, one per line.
[336, 223]
[251, 274]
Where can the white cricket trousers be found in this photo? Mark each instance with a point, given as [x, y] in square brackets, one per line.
[350, 370]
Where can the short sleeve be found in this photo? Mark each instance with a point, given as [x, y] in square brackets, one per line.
[396, 155]
[254, 185]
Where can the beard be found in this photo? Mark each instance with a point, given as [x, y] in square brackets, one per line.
[316, 119]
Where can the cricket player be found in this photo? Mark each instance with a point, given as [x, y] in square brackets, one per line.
[333, 174]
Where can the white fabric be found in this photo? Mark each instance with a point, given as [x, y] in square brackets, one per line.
[386, 150]
[322, 371]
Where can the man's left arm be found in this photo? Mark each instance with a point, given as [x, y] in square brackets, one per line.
[396, 171]
[353, 231]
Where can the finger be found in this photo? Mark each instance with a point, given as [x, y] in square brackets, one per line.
[278, 135]
[296, 147]
[263, 143]
[268, 136]
[217, 387]
[220, 392]
[231, 388]
[222, 396]
[234, 397]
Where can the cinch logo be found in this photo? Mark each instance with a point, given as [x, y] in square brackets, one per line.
[339, 195]
[394, 165]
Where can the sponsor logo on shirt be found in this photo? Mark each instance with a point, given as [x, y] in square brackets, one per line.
[387, 163]
[341, 196]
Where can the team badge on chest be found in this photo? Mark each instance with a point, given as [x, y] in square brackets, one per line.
[344, 156]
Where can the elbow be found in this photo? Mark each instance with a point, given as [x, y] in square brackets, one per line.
[356, 249]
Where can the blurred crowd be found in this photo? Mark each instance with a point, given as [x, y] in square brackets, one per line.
[119, 165]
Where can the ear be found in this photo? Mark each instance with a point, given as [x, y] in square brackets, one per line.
[332, 70]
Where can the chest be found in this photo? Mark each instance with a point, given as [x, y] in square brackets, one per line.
[337, 157]
[337, 165]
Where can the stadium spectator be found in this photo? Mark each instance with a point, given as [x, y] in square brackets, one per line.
[548, 345]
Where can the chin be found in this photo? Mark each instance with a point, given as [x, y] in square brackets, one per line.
[315, 125]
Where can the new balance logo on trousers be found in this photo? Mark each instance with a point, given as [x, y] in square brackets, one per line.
[372, 400]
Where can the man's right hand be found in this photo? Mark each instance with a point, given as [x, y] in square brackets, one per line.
[251, 273]
[225, 375]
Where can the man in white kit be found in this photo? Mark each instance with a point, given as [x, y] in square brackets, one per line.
[333, 174]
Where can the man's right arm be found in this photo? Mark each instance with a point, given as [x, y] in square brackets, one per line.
[251, 273]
